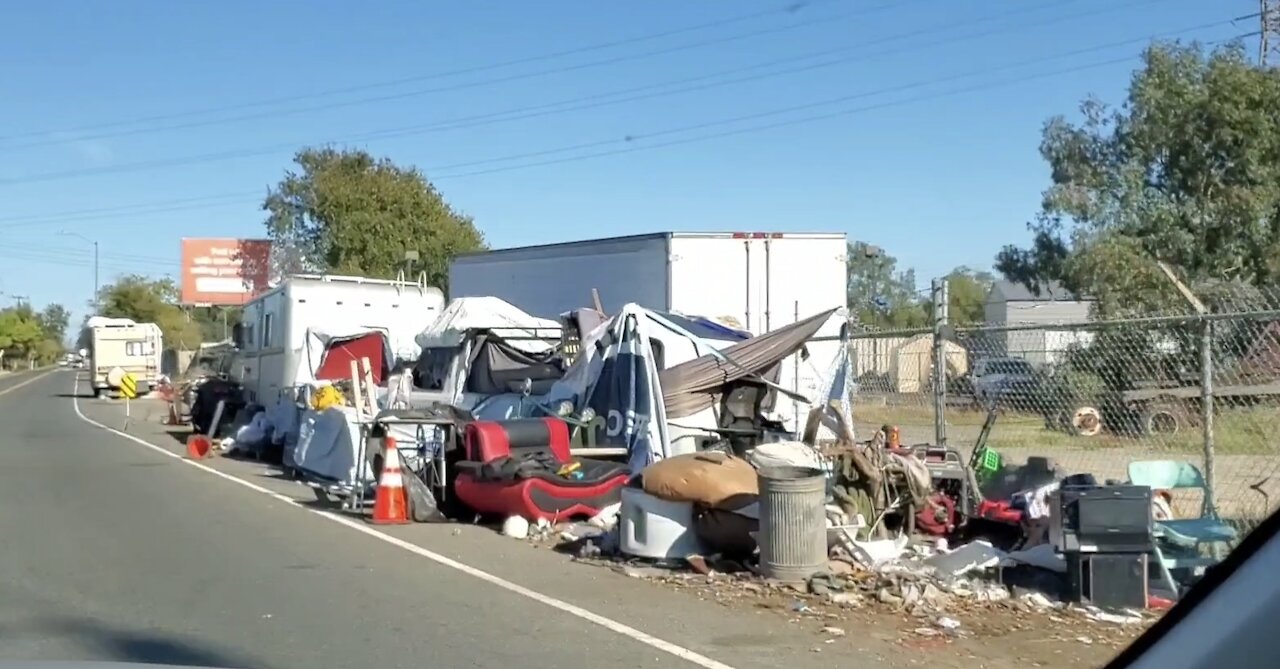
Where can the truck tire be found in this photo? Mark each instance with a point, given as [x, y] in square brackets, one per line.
[1164, 419]
[1086, 422]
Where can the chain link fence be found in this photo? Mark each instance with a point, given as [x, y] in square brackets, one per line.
[1095, 395]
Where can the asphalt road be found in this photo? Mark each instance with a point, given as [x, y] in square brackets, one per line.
[116, 550]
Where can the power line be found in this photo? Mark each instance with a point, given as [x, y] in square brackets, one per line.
[455, 87]
[72, 253]
[602, 99]
[418, 129]
[83, 263]
[206, 158]
[137, 209]
[789, 8]
[593, 100]
[791, 122]
[195, 203]
[811, 105]
[541, 110]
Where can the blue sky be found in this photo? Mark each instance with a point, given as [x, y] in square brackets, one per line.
[138, 123]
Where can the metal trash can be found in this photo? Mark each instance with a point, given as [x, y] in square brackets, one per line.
[793, 522]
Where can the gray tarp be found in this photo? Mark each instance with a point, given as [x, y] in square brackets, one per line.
[691, 386]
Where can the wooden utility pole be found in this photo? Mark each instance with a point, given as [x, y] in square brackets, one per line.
[1269, 30]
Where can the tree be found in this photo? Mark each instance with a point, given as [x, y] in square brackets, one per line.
[1187, 172]
[54, 320]
[967, 295]
[19, 331]
[879, 294]
[349, 213]
[25, 336]
[151, 301]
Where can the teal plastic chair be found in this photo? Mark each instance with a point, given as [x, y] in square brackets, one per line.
[1178, 542]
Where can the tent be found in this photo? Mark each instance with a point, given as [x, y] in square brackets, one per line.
[618, 376]
[469, 314]
[483, 346]
[327, 355]
[691, 387]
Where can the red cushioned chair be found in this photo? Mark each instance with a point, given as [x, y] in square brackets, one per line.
[512, 469]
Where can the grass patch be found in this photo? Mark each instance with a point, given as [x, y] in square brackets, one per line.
[1237, 431]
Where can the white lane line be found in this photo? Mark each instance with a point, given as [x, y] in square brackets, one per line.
[561, 605]
[33, 379]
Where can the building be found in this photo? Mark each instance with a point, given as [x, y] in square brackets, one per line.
[1014, 304]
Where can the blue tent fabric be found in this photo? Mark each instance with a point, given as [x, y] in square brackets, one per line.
[706, 329]
[624, 396]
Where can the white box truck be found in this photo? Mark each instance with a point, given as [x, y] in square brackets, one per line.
[761, 280]
[121, 343]
[272, 335]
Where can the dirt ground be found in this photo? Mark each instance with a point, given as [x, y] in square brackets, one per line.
[1009, 633]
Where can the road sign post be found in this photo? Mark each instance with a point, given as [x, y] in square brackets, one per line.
[129, 389]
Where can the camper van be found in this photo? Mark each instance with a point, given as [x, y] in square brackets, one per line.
[285, 332]
[126, 345]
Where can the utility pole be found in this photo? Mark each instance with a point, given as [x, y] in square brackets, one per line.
[97, 306]
[1269, 30]
[941, 315]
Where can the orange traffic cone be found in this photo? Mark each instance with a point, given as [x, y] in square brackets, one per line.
[391, 506]
[198, 446]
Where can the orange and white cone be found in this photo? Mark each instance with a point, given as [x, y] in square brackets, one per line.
[199, 446]
[173, 418]
[391, 506]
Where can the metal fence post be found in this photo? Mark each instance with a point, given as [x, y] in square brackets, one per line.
[1207, 409]
[940, 303]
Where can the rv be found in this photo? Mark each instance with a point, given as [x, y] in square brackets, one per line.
[284, 334]
[116, 346]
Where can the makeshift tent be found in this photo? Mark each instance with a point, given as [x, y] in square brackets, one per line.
[466, 315]
[485, 346]
[616, 375]
[328, 446]
[690, 387]
[327, 356]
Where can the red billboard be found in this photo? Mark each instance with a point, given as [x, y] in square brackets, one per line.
[224, 272]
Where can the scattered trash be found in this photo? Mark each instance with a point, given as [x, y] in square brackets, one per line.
[947, 623]
[515, 527]
[833, 631]
[974, 556]
[1123, 618]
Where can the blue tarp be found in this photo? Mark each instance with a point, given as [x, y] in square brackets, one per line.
[706, 329]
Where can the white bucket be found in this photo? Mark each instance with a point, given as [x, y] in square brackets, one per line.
[655, 528]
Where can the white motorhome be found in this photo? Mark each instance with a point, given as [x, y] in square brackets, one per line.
[279, 329]
[760, 280]
[126, 345]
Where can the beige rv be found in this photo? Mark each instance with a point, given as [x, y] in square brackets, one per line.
[120, 343]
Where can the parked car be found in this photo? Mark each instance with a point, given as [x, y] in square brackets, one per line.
[1005, 381]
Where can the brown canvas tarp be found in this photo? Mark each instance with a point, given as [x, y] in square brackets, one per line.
[691, 386]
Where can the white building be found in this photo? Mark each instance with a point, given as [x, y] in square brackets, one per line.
[1014, 304]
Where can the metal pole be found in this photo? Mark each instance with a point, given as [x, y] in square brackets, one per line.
[97, 305]
[1206, 411]
[939, 291]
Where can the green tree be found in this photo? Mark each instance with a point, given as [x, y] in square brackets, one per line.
[151, 301]
[967, 295]
[20, 332]
[1187, 171]
[880, 294]
[350, 213]
[54, 320]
